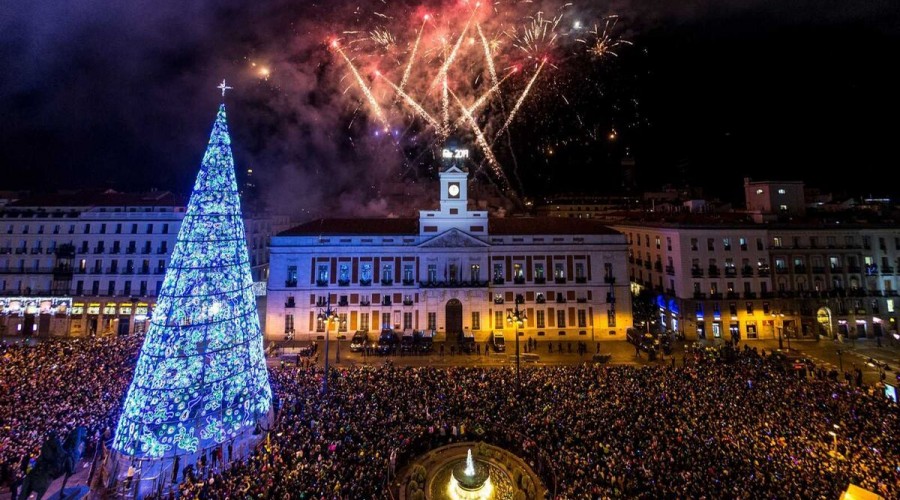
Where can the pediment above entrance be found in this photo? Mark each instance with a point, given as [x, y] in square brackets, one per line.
[453, 238]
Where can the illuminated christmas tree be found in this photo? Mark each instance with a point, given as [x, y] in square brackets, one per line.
[201, 378]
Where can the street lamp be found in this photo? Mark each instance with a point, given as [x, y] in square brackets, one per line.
[326, 315]
[775, 317]
[834, 450]
[517, 316]
[841, 359]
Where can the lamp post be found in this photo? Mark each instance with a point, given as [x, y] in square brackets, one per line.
[519, 318]
[326, 315]
[780, 329]
[841, 359]
[834, 450]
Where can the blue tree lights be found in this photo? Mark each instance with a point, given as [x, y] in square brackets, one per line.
[201, 376]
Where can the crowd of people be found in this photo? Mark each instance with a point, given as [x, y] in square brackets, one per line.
[726, 427]
[55, 386]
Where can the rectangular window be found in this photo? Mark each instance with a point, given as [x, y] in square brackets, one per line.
[291, 276]
[611, 318]
[658, 244]
[407, 273]
[759, 244]
[559, 271]
[407, 321]
[111, 288]
[539, 271]
[364, 321]
[432, 273]
[582, 318]
[432, 321]
[668, 243]
[561, 318]
[288, 323]
[726, 243]
[498, 272]
[579, 271]
[498, 320]
[365, 275]
[518, 272]
[475, 275]
[344, 273]
[322, 274]
[387, 273]
[710, 244]
[165, 229]
[386, 321]
[540, 320]
[134, 229]
[149, 228]
[476, 320]
[749, 307]
[695, 245]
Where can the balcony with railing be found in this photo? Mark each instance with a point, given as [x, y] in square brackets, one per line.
[387, 282]
[560, 280]
[837, 270]
[344, 282]
[648, 265]
[290, 303]
[670, 270]
[609, 280]
[887, 270]
[818, 269]
[519, 280]
[854, 269]
[540, 281]
[657, 266]
[580, 279]
[730, 271]
[290, 283]
[321, 282]
[696, 272]
[713, 271]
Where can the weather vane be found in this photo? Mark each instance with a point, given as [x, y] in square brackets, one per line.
[223, 87]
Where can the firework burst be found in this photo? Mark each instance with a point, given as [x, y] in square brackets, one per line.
[601, 41]
[449, 68]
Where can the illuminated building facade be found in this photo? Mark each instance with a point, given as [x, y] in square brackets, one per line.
[765, 281]
[93, 262]
[452, 271]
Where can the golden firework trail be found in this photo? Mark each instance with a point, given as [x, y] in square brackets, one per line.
[362, 84]
[519, 102]
[487, 55]
[413, 104]
[482, 142]
[412, 56]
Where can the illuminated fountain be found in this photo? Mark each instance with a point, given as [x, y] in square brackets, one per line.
[470, 480]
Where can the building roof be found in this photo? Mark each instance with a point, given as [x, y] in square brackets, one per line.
[410, 226]
[94, 198]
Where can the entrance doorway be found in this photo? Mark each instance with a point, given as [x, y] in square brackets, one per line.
[453, 322]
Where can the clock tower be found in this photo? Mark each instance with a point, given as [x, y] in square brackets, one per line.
[454, 212]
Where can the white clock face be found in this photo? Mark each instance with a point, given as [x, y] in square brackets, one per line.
[453, 190]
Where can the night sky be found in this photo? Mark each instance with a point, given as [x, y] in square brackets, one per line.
[105, 93]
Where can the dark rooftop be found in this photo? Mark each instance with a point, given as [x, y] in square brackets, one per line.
[410, 226]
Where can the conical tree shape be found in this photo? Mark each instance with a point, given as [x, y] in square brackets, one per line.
[201, 378]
